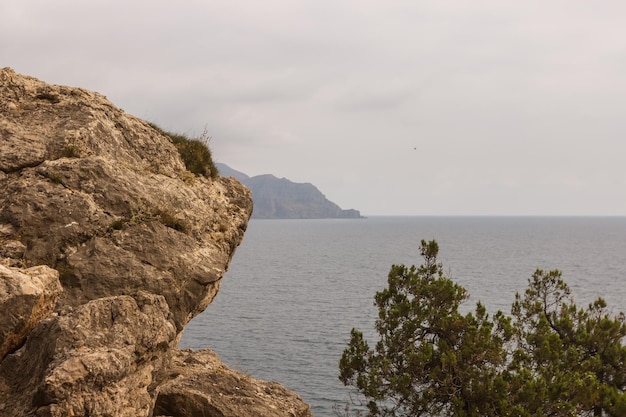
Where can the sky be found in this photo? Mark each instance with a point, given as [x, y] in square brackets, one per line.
[482, 107]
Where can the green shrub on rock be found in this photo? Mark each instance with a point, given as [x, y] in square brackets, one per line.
[195, 153]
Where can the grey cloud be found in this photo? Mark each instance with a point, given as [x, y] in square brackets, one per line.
[497, 96]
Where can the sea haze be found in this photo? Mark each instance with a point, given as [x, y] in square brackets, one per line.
[295, 288]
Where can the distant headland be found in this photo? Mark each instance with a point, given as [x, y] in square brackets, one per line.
[279, 198]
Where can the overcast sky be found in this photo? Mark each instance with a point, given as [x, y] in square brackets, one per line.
[481, 107]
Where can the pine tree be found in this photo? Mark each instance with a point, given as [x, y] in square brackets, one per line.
[549, 358]
[431, 359]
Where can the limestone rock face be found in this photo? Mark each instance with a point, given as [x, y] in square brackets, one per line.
[111, 243]
[94, 360]
[200, 385]
[26, 297]
[89, 190]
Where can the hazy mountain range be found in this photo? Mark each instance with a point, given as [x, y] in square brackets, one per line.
[279, 198]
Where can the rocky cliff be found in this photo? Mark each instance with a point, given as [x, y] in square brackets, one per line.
[108, 247]
[280, 198]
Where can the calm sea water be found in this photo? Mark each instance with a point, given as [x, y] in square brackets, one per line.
[295, 288]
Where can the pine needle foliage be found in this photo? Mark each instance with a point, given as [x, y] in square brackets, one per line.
[548, 358]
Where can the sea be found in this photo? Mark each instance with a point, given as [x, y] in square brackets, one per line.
[295, 288]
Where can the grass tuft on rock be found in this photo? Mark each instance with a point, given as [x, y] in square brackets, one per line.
[195, 153]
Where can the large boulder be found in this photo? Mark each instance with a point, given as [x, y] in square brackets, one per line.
[27, 296]
[100, 204]
[97, 359]
[104, 198]
[200, 385]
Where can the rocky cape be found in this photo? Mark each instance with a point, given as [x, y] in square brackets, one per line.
[108, 247]
[280, 198]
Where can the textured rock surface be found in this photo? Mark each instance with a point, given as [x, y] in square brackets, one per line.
[26, 297]
[200, 385]
[91, 190]
[140, 245]
[95, 360]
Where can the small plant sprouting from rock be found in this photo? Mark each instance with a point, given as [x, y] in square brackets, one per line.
[118, 224]
[169, 220]
[70, 151]
[48, 96]
[142, 215]
[55, 178]
[195, 153]
[67, 273]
